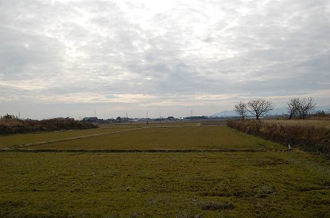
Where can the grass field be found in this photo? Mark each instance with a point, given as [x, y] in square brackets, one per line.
[269, 182]
[170, 138]
[19, 139]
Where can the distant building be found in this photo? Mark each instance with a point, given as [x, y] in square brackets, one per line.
[197, 118]
[90, 119]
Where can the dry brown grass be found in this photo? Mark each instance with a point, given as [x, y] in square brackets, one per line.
[309, 137]
[323, 123]
[11, 125]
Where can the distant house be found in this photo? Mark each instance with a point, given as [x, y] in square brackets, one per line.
[90, 119]
[197, 118]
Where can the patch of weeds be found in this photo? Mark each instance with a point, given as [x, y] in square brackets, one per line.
[151, 201]
[216, 206]
[258, 192]
[75, 190]
[11, 204]
[272, 161]
[184, 214]
[265, 191]
[136, 214]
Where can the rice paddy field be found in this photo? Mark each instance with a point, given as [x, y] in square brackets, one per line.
[173, 170]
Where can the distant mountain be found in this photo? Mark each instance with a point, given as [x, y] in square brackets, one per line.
[276, 111]
[225, 114]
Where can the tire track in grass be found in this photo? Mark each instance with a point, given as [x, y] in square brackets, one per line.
[23, 147]
[15, 147]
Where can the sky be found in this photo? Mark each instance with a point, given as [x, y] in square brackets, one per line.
[78, 58]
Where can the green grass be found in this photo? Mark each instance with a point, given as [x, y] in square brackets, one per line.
[18, 139]
[239, 184]
[199, 138]
[27, 138]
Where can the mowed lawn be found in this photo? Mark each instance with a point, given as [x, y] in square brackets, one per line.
[167, 138]
[221, 184]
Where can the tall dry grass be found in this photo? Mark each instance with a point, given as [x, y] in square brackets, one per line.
[11, 125]
[310, 138]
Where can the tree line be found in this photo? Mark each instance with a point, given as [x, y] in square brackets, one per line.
[10, 124]
[296, 107]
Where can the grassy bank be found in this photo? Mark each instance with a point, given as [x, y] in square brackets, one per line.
[11, 125]
[314, 138]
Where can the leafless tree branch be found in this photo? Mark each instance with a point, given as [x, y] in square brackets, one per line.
[259, 106]
[241, 109]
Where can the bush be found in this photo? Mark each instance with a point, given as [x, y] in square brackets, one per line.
[11, 125]
[310, 138]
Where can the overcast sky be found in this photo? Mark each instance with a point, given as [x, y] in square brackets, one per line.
[70, 58]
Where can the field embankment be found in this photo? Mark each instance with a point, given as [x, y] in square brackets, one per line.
[314, 138]
[12, 125]
[322, 123]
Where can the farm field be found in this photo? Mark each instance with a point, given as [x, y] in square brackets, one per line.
[250, 177]
[28, 138]
[167, 138]
[17, 139]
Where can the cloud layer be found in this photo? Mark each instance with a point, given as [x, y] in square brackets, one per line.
[65, 57]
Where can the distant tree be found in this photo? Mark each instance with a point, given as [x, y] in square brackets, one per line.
[9, 117]
[306, 105]
[321, 113]
[259, 106]
[241, 109]
[293, 107]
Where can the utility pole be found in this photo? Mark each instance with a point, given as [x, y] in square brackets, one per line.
[147, 115]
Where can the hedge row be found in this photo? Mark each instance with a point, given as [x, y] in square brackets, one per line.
[310, 138]
[13, 125]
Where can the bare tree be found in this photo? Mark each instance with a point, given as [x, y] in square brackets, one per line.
[241, 109]
[306, 105]
[260, 106]
[293, 107]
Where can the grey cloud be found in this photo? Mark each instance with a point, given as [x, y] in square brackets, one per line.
[204, 47]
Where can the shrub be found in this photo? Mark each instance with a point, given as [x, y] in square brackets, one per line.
[310, 138]
[11, 125]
